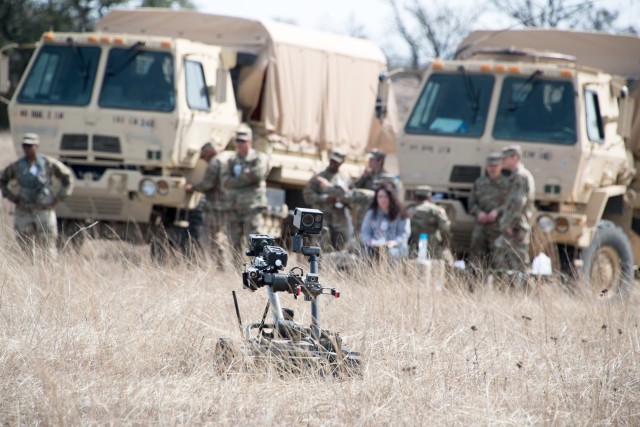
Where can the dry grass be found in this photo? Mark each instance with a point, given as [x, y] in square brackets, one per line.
[106, 336]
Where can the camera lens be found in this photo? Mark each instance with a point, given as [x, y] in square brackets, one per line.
[307, 220]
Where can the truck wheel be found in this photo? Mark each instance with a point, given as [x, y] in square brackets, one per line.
[608, 262]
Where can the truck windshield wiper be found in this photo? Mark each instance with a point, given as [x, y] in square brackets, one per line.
[128, 55]
[84, 64]
[514, 104]
[472, 95]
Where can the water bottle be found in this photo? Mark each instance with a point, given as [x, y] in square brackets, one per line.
[422, 246]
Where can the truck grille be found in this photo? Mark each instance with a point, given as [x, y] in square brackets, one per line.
[74, 142]
[106, 144]
[465, 174]
[101, 143]
[94, 207]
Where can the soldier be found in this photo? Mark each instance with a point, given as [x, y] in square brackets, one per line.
[328, 191]
[244, 178]
[427, 217]
[215, 203]
[512, 247]
[375, 174]
[35, 218]
[485, 204]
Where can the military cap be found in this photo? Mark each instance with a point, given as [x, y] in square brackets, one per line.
[494, 158]
[30, 139]
[244, 133]
[511, 150]
[337, 156]
[423, 191]
[377, 154]
[206, 147]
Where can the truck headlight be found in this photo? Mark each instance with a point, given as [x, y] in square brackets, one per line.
[546, 223]
[163, 188]
[562, 225]
[148, 187]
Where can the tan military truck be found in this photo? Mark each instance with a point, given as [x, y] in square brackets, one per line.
[129, 106]
[569, 99]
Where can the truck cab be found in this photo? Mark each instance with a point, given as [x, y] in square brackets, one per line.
[563, 112]
[128, 114]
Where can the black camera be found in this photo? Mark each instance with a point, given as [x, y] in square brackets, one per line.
[257, 243]
[308, 221]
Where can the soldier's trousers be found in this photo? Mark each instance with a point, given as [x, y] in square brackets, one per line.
[37, 230]
[216, 222]
[512, 252]
[483, 245]
[241, 224]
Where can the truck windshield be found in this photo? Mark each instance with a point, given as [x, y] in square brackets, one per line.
[452, 104]
[61, 75]
[535, 109]
[138, 80]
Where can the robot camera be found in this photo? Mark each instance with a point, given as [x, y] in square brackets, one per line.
[308, 221]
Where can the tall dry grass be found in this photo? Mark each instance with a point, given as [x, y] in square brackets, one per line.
[105, 336]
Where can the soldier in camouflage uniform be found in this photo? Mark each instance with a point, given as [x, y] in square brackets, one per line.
[35, 218]
[244, 180]
[512, 247]
[485, 204]
[427, 217]
[328, 191]
[215, 203]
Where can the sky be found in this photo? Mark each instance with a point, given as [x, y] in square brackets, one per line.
[374, 17]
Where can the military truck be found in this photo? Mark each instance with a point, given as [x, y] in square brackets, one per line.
[570, 100]
[128, 107]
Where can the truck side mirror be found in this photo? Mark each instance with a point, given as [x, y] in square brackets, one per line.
[221, 85]
[627, 105]
[5, 82]
[383, 96]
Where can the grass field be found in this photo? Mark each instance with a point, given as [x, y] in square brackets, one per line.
[105, 336]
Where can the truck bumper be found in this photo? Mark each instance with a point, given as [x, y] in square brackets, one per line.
[117, 196]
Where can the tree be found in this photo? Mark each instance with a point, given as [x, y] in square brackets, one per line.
[432, 31]
[582, 14]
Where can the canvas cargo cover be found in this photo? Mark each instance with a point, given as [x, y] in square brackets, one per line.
[307, 86]
[614, 54]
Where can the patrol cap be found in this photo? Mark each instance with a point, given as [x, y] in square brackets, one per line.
[511, 150]
[494, 158]
[423, 191]
[244, 133]
[337, 156]
[377, 154]
[30, 139]
[206, 147]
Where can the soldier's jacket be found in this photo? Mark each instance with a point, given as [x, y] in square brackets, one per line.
[245, 180]
[212, 186]
[427, 217]
[35, 191]
[369, 182]
[488, 195]
[518, 208]
[316, 197]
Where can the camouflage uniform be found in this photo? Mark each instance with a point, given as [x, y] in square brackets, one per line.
[512, 251]
[486, 195]
[35, 219]
[216, 207]
[245, 181]
[336, 214]
[372, 181]
[427, 217]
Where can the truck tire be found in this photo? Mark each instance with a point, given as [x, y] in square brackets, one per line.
[71, 235]
[608, 262]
